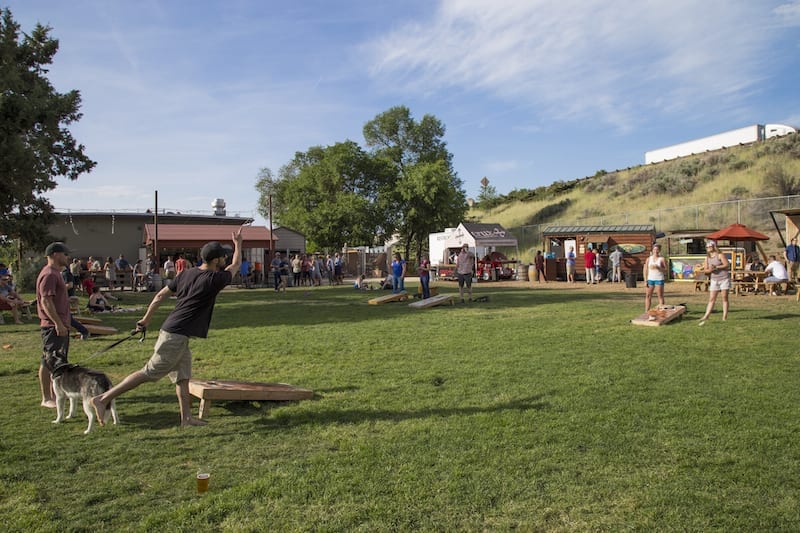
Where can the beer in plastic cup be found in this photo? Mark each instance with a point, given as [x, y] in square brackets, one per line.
[202, 482]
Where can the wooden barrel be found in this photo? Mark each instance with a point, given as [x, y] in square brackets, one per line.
[533, 274]
[522, 272]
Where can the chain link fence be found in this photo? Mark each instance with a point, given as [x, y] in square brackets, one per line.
[754, 213]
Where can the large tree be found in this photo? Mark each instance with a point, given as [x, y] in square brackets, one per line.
[427, 195]
[35, 145]
[331, 194]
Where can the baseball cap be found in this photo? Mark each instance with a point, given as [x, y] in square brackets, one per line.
[54, 247]
[213, 250]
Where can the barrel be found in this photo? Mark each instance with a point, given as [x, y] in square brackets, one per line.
[533, 274]
[630, 280]
[156, 280]
[522, 272]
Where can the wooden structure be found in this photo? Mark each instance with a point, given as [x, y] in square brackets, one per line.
[96, 329]
[399, 297]
[88, 320]
[433, 301]
[658, 316]
[207, 391]
[636, 242]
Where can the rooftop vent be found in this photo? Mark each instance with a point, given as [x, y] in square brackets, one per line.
[219, 207]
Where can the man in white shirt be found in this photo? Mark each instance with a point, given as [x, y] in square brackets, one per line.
[776, 271]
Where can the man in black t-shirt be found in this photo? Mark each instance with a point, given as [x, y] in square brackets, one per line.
[196, 290]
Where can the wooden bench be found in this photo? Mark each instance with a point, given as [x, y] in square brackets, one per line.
[779, 287]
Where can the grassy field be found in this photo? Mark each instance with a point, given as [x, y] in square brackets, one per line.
[542, 409]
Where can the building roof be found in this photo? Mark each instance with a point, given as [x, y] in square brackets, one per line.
[172, 217]
[622, 228]
[196, 235]
[481, 235]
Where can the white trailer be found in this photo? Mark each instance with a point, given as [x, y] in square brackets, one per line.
[437, 246]
[746, 135]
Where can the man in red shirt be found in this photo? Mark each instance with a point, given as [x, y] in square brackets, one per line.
[588, 262]
[54, 318]
[181, 264]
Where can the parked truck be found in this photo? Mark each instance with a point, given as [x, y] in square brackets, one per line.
[746, 135]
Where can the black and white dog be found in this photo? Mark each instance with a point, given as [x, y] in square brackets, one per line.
[78, 383]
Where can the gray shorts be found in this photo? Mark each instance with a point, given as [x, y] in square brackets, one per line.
[171, 356]
[464, 279]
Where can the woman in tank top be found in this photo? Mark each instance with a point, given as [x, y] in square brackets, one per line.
[655, 272]
[717, 268]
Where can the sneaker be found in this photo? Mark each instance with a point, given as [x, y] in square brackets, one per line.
[85, 336]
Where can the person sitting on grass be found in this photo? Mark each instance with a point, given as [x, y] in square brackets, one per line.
[196, 290]
[98, 301]
[9, 299]
[361, 284]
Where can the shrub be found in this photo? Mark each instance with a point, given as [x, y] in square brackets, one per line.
[549, 212]
[739, 164]
[779, 183]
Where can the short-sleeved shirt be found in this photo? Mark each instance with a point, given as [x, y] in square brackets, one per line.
[397, 268]
[615, 257]
[423, 266]
[196, 290]
[68, 278]
[464, 262]
[50, 284]
[588, 259]
[793, 253]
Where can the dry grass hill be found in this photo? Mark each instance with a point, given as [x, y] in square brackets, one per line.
[704, 191]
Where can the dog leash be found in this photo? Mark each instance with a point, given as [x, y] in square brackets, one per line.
[133, 333]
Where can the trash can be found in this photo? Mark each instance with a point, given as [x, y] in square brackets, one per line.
[630, 280]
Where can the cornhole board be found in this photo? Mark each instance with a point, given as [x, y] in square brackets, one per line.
[433, 301]
[220, 389]
[88, 320]
[96, 329]
[399, 297]
[658, 316]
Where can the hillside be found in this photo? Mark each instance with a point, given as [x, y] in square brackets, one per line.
[705, 191]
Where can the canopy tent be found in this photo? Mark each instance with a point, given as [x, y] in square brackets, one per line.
[196, 235]
[740, 233]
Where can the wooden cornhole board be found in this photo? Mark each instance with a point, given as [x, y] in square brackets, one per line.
[96, 329]
[399, 297]
[433, 301]
[221, 389]
[658, 316]
[88, 320]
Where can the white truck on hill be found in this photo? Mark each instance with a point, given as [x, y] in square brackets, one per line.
[746, 135]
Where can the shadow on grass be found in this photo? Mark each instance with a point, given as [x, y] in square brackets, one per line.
[339, 305]
[356, 416]
[784, 316]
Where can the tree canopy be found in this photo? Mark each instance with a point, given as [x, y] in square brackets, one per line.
[342, 194]
[35, 145]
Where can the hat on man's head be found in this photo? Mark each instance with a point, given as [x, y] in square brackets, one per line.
[213, 250]
[54, 247]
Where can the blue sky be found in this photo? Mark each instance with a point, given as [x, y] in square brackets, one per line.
[192, 98]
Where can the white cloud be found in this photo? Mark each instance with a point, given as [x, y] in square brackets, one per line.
[602, 60]
[789, 13]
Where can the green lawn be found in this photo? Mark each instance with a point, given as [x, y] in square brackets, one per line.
[543, 409]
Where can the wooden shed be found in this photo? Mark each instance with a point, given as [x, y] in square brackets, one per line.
[635, 240]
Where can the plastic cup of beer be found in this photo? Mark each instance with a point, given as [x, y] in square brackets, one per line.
[202, 482]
